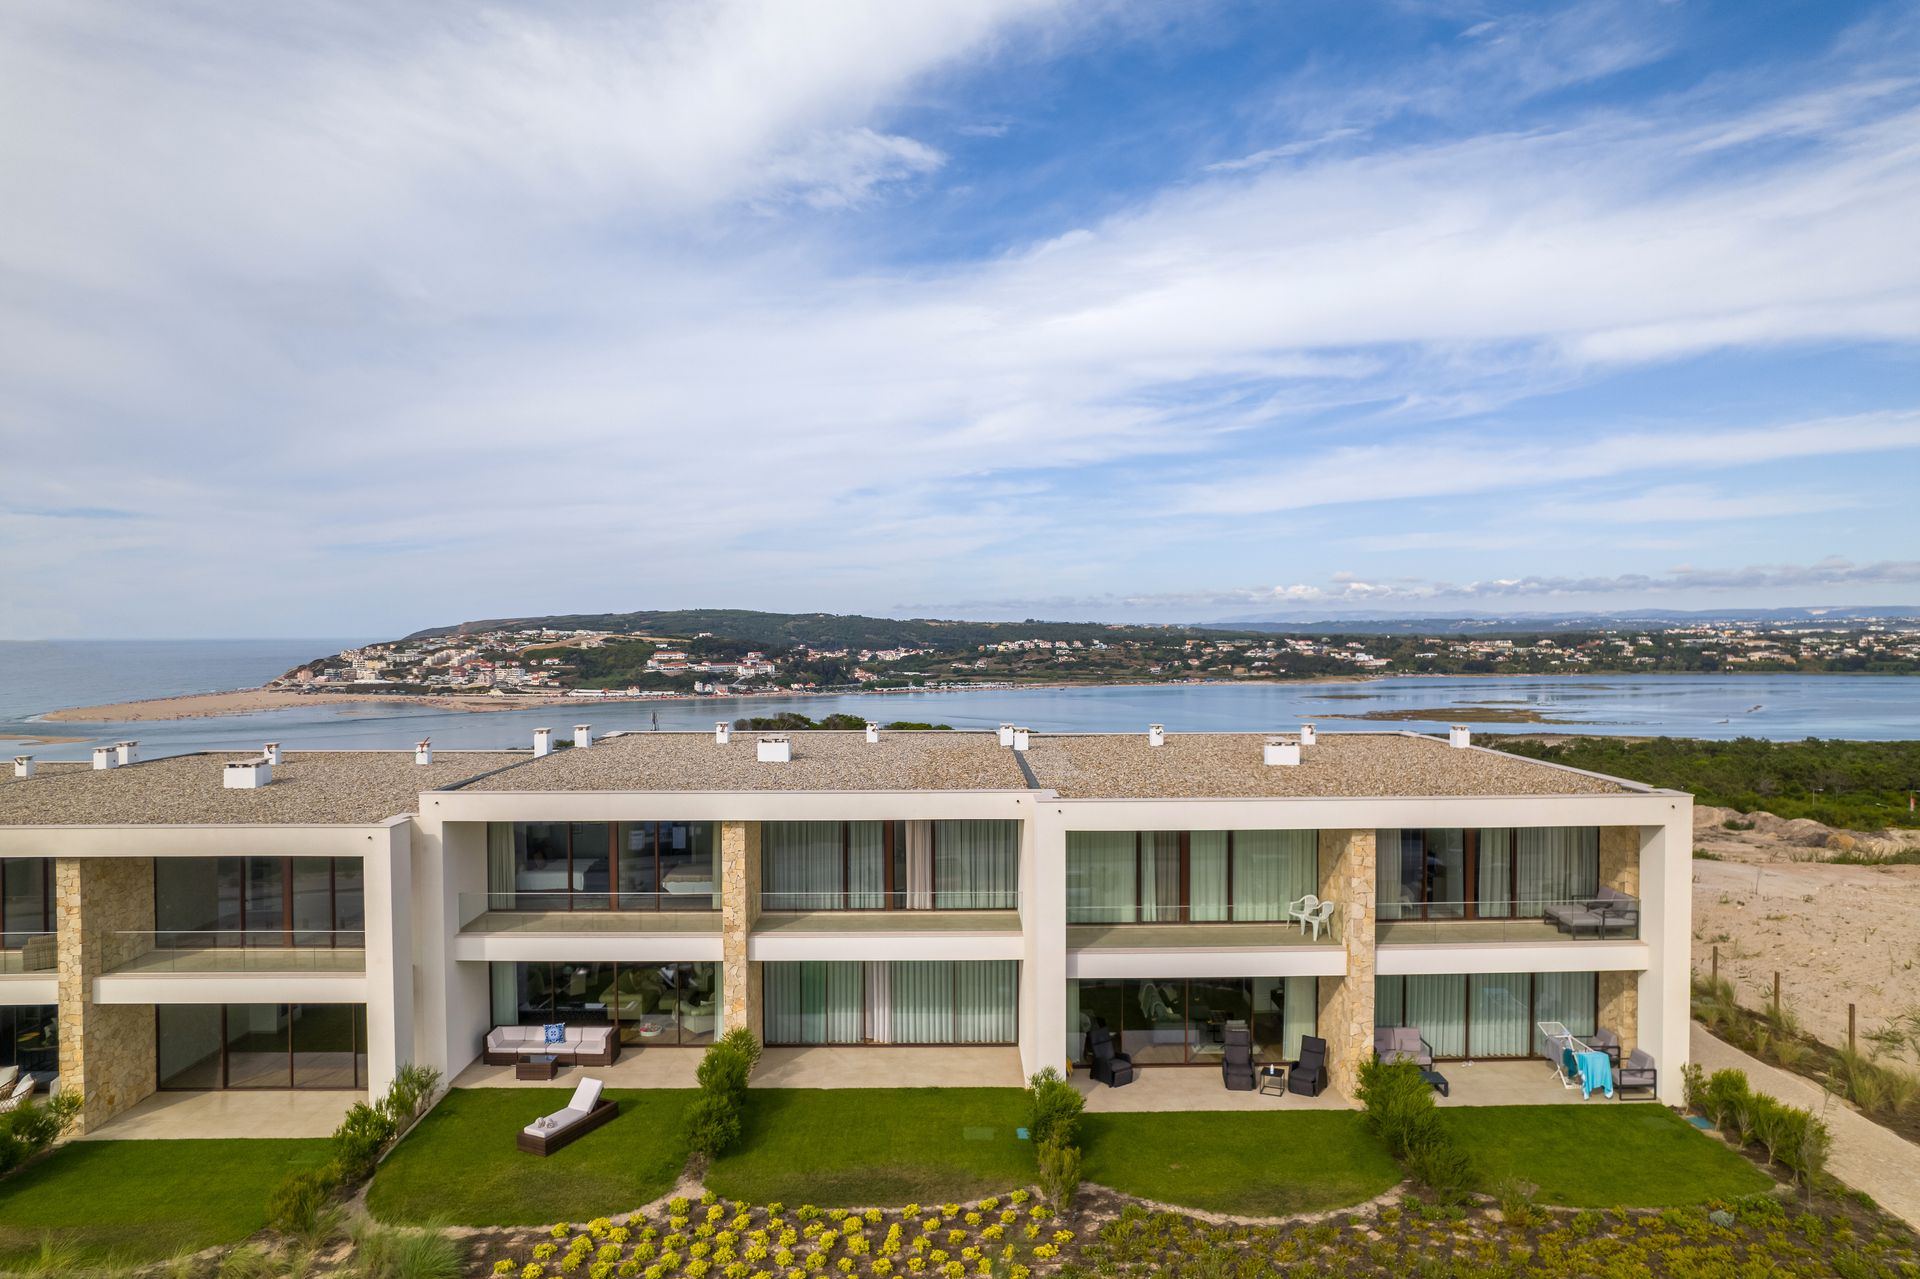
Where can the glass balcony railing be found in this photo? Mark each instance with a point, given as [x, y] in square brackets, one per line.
[562, 910]
[1608, 916]
[28, 953]
[1202, 925]
[779, 903]
[236, 951]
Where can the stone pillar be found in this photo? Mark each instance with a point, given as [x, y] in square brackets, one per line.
[1347, 876]
[739, 909]
[106, 1050]
[1620, 859]
[1619, 1008]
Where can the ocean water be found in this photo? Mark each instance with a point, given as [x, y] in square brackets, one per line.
[37, 677]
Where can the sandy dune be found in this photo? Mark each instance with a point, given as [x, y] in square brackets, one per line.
[240, 701]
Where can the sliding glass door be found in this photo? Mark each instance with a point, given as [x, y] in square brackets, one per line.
[650, 1003]
[1157, 877]
[1183, 1020]
[894, 865]
[1486, 1015]
[259, 901]
[625, 866]
[1485, 873]
[214, 1046]
[891, 1002]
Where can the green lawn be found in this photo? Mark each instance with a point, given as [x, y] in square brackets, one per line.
[1265, 1165]
[143, 1201]
[875, 1147]
[1599, 1156]
[460, 1166]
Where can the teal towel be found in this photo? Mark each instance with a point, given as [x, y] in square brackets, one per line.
[1596, 1071]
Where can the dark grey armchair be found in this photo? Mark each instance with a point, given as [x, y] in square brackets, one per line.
[1309, 1075]
[1236, 1061]
[1113, 1069]
[1637, 1072]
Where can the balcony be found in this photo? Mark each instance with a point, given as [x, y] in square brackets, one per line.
[235, 951]
[27, 954]
[883, 912]
[588, 912]
[1607, 916]
[1188, 927]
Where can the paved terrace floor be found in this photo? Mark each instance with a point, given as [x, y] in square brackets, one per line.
[233, 1113]
[246, 959]
[827, 1066]
[1416, 932]
[594, 921]
[1494, 1083]
[889, 921]
[1208, 936]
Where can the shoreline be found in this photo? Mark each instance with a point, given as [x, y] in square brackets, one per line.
[245, 701]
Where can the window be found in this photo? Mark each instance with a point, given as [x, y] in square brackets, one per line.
[1149, 877]
[1182, 1020]
[899, 865]
[1484, 874]
[1486, 1015]
[892, 1002]
[26, 899]
[650, 1003]
[547, 866]
[30, 1038]
[213, 1046]
[259, 901]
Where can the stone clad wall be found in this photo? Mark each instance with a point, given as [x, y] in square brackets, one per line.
[1347, 876]
[1620, 859]
[1619, 1008]
[106, 1050]
[739, 909]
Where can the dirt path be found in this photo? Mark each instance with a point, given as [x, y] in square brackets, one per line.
[1865, 1155]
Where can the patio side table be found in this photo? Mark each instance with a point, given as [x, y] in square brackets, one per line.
[1273, 1079]
[540, 1066]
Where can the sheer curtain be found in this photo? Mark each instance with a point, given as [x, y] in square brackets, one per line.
[1300, 1011]
[919, 865]
[1207, 875]
[813, 1002]
[1389, 1001]
[506, 983]
[1100, 877]
[1493, 892]
[1555, 864]
[1437, 1004]
[1500, 1024]
[1159, 876]
[1389, 887]
[1271, 870]
[500, 863]
[1567, 998]
[866, 865]
[986, 995]
[976, 865]
[921, 994]
[800, 865]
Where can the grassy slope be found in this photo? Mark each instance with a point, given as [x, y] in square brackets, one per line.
[871, 1147]
[460, 1166]
[142, 1201]
[1248, 1164]
[1599, 1156]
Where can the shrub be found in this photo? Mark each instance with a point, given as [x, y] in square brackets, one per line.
[1059, 1172]
[32, 1126]
[1053, 1109]
[1516, 1202]
[1726, 1090]
[1693, 1086]
[298, 1205]
[723, 1071]
[359, 1139]
[412, 1088]
[713, 1123]
[1440, 1162]
[383, 1252]
[741, 1040]
[1397, 1102]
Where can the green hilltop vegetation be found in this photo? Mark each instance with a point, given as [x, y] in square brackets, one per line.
[1856, 785]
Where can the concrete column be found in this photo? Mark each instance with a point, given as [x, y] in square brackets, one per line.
[1043, 925]
[106, 1050]
[1666, 926]
[1347, 877]
[739, 910]
[389, 929]
[1620, 859]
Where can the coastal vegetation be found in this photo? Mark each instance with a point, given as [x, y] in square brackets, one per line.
[1855, 785]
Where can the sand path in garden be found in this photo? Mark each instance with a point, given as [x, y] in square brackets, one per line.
[1865, 1155]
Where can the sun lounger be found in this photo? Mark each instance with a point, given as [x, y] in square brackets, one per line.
[21, 1091]
[584, 1112]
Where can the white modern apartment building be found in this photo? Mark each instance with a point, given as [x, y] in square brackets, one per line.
[316, 919]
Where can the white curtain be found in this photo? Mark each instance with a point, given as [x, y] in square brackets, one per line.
[986, 997]
[866, 865]
[813, 1002]
[919, 865]
[800, 866]
[1389, 1001]
[1159, 876]
[1100, 877]
[500, 865]
[1300, 1008]
[1389, 890]
[1076, 1035]
[1437, 1004]
[1500, 1023]
[976, 865]
[1494, 890]
[1207, 875]
[1567, 998]
[921, 993]
[1555, 864]
[1271, 870]
[506, 984]
[880, 1002]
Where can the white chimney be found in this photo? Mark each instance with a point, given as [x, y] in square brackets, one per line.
[1308, 735]
[1459, 735]
[23, 766]
[423, 751]
[542, 742]
[127, 751]
[1006, 734]
[582, 736]
[722, 733]
[775, 749]
[1156, 734]
[873, 731]
[272, 752]
[1282, 753]
[247, 774]
[105, 757]
[1021, 736]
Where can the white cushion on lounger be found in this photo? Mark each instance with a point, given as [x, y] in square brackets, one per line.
[586, 1095]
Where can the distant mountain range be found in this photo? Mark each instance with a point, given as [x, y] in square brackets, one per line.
[1653, 619]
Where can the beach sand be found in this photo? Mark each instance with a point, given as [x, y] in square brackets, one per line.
[240, 701]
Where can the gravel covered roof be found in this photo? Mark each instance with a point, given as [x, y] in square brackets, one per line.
[347, 788]
[1232, 765]
[822, 761]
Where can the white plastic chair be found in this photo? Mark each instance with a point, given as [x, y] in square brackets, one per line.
[1303, 908]
[1320, 915]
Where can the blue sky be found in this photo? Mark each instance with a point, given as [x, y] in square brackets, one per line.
[358, 318]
